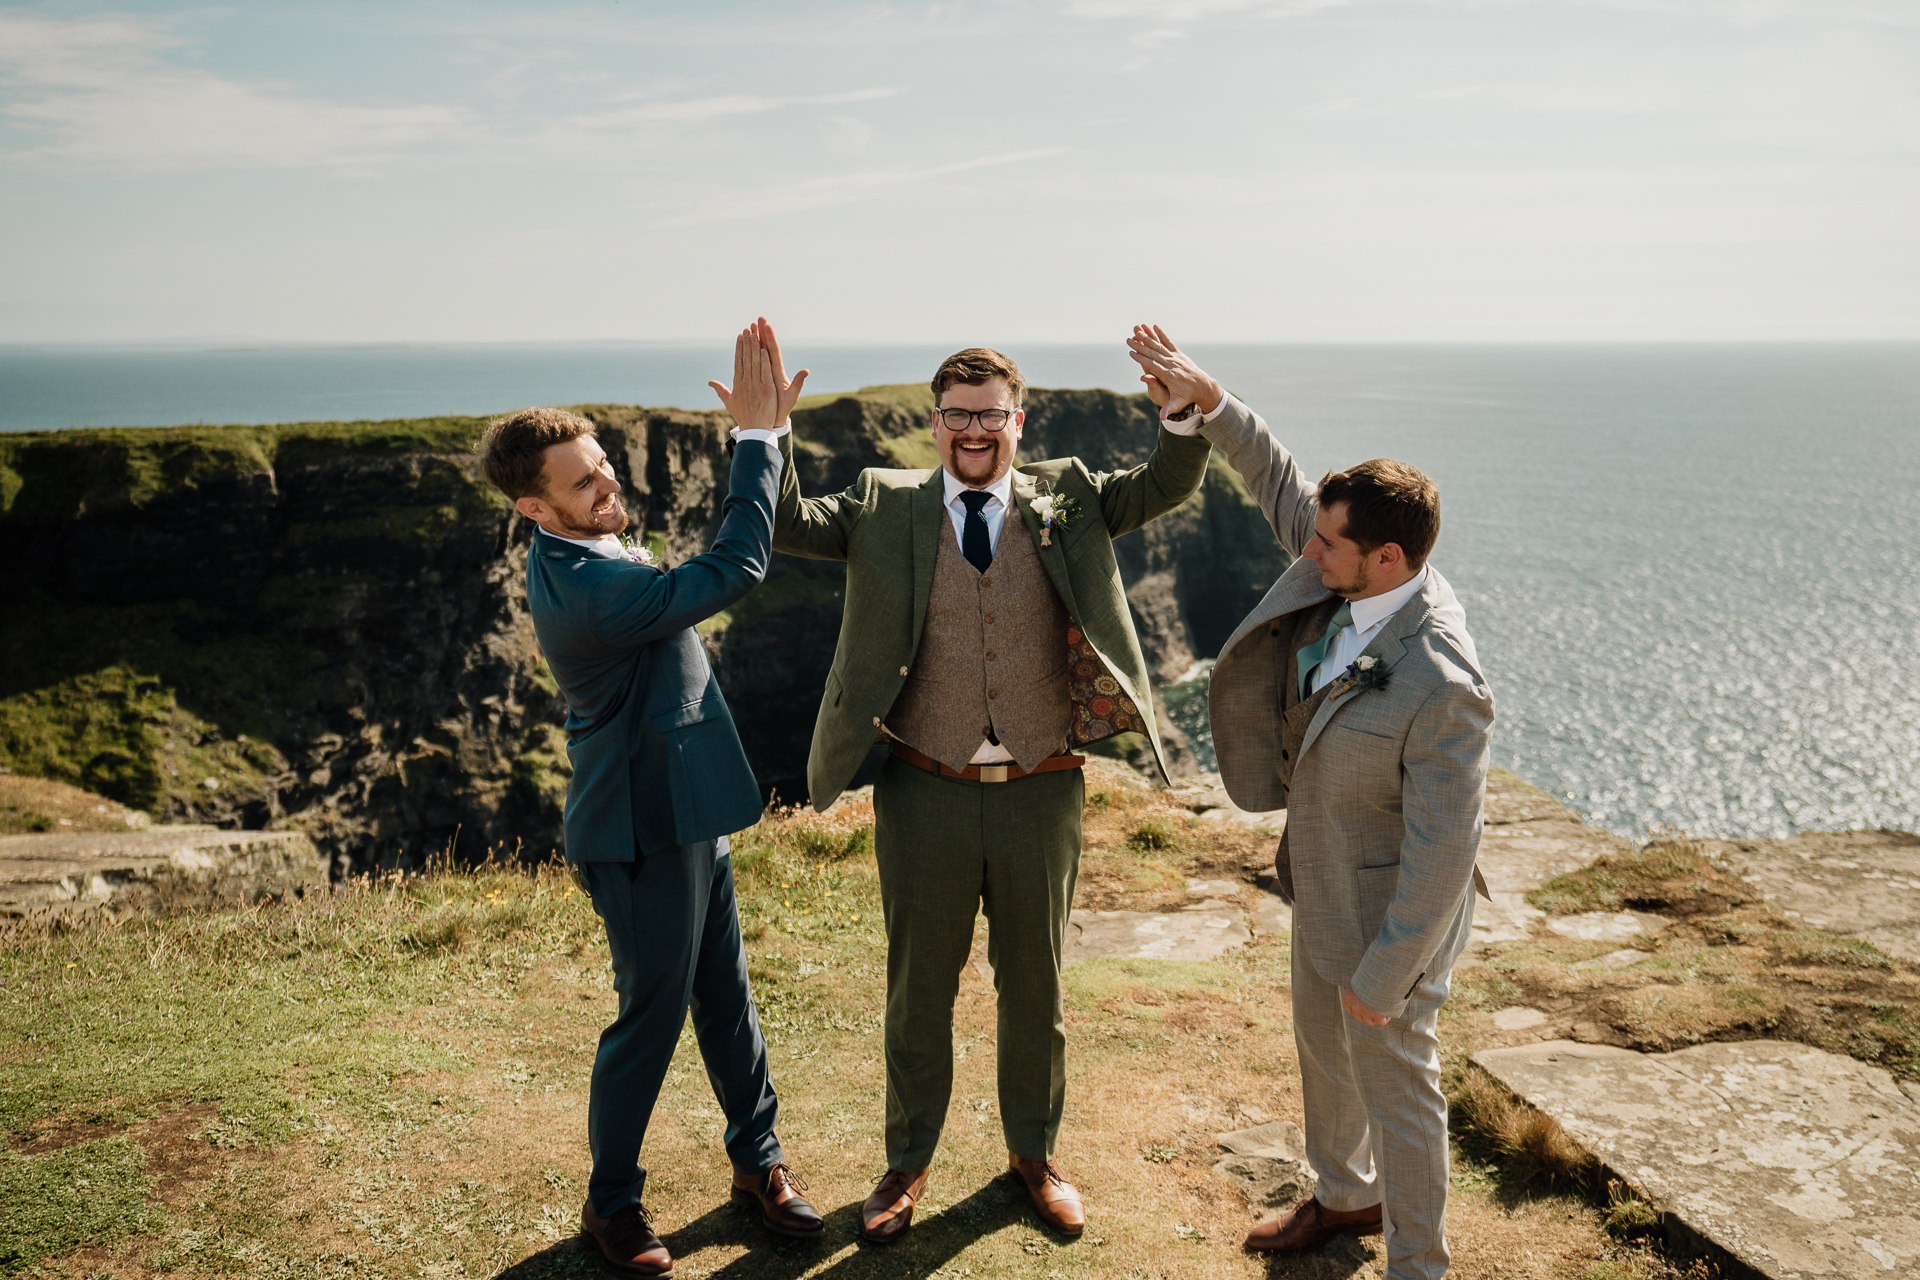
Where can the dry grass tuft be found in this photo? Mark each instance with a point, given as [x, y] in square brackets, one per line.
[1534, 1150]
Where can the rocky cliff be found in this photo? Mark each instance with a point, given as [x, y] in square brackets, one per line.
[323, 627]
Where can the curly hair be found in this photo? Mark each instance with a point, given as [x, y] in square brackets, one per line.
[513, 449]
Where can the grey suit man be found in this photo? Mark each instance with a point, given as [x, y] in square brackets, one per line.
[659, 783]
[1352, 697]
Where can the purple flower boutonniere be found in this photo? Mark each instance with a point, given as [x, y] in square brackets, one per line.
[636, 552]
[1363, 673]
[1055, 513]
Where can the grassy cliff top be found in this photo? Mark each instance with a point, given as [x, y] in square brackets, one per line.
[137, 464]
[319, 1087]
[915, 397]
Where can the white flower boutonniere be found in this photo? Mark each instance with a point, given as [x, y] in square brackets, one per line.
[636, 552]
[1363, 673]
[1055, 512]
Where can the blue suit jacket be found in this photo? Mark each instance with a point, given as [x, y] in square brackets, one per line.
[656, 760]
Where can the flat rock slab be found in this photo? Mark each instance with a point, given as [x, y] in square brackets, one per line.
[1803, 1165]
[1607, 926]
[1269, 1162]
[1197, 933]
[41, 874]
[1529, 838]
[1865, 884]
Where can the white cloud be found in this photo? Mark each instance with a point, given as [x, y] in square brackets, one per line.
[698, 110]
[820, 193]
[101, 96]
[111, 94]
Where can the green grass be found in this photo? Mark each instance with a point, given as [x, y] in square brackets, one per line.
[1647, 878]
[91, 1194]
[391, 1080]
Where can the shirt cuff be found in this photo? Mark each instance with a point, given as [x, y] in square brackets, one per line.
[763, 434]
[1191, 424]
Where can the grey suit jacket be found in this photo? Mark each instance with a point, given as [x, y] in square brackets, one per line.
[1385, 811]
[656, 760]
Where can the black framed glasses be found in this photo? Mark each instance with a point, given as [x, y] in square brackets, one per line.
[990, 419]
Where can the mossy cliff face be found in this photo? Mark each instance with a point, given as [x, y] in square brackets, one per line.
[313, 626]
[324, 627]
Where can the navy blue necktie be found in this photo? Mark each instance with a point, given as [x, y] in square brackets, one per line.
[974, 543]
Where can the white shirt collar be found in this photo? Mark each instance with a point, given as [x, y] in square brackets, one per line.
[1001, 488]
[606, 545]
[1374, 610]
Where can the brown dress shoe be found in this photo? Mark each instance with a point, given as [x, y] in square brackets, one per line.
[1054, 1198]
[775, 1195]
[627, 1242]
[888, 1212]
[1312, 1223]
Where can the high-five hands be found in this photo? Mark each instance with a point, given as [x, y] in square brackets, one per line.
[1173, 380]
[789, 391]
[755, 397]
[762, 397]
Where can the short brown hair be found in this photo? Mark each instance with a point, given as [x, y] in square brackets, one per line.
[1387, 501]
[975, 367]
[513, 450]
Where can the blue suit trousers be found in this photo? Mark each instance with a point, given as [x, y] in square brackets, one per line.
[674, 933]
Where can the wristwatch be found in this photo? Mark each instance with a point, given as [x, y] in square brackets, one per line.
[1193, 407]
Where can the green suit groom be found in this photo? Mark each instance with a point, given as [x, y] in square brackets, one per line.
[983, 642]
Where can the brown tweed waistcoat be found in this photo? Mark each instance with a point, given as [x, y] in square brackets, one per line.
[993, 657]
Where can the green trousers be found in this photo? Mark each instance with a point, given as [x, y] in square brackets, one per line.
[949, 848]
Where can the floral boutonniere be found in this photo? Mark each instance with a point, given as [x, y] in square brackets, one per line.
[1363, 673]
[1055, 513]
[635, 551]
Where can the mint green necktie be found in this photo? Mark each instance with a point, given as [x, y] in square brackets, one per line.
[1311, 656]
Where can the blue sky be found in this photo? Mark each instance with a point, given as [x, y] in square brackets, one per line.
[1240, 170]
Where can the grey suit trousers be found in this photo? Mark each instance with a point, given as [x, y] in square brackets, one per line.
[1373, 1105]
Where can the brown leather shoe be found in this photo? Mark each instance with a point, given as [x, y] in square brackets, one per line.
[1312, 1223]
[627, 1242]
[775, 1195]
[888, 1212]
[1054, 1198]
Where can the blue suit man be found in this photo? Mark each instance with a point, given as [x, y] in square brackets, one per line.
[659, 782]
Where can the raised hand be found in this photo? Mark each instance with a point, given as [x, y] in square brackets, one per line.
[789, 392]
[753, 400]
[1173, 380]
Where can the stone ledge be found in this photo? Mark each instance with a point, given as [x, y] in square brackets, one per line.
[1800, 1164]
[155, 868]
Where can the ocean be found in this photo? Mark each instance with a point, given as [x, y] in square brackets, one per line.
[1693, 572]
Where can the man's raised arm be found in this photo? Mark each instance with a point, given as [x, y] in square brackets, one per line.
[633, 609]
[1180, 387]
[816, 528]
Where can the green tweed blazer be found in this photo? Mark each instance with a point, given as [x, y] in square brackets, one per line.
[886, 526]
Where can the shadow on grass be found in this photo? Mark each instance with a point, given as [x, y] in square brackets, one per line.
[935, 1240]
[1337, 1259]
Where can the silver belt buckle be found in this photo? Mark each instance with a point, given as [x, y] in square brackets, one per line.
[993, 773]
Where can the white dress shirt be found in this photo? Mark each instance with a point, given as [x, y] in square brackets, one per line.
[1190, 426]
[608, 545]
[1369, 618]
[993, 511]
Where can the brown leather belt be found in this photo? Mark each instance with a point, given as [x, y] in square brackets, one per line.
[983, 772]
